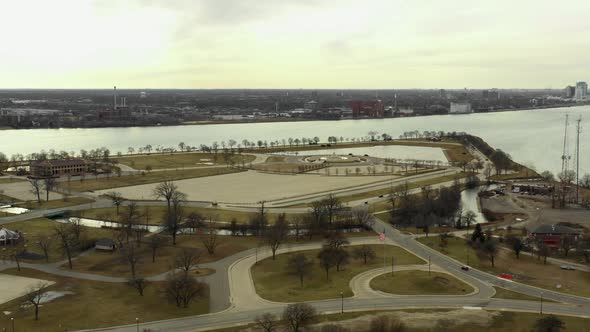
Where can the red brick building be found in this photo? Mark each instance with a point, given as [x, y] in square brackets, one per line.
[552, 235]
[367, 109]
[41, 168]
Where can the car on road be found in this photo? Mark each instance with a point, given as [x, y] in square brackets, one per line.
[465, 268]
[567, 267]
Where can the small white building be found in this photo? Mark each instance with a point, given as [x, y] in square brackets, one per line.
[8, 237]
[460, 108]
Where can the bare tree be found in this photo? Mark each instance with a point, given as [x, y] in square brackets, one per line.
[299, 265]
[76, 228]
[364, 252]
[166, 190]
[567, 243]
[44, 244]
[210, 241]
[332, 205]
[155, 243]
[36, 188]
[182, 289]
[277, 234]
[186, 259]
[130, 256]
[175, 215]
[48, 185]
[267, 322]
[116, 198]
[298, 315]
[35, 296]
[138, 283]
[67, 241]
[490, 249]
[336, 240]
[327, 259]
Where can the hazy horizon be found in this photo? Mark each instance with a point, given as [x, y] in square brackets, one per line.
[306, 44]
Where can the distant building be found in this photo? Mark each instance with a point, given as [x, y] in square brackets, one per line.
[42, 168]
[105, 244]
[442, 93]
[460, 108]
[8, 237]
[491, 94]
[553, 235]
[370, 109]
[311, 105]
[581, 90]
[570, 91]
[402, 112]
[121, 112]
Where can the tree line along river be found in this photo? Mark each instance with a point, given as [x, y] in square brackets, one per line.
[532, 137]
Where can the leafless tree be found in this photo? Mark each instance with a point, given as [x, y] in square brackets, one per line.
[327, 259]
[186, 259]
[76, 227]
[336, 240]
[130, 256]
[116, 198]
[332, 205]
[68, 242]
[48, 185]
[299, 265]
[138, 283]
[194, 222]
[44, 244]
[362, 217]
[35, 295]
[130, 219]
[277, 234]
[298, 316]
[182, 289]
[155, 243]
[210, 241]
[36, 188]
[364, 252]
[567, 243]
[166, 190]
[175, 215]
[267, 322]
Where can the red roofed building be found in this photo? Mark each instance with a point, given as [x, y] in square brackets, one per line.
[367, 109]
[42, 168]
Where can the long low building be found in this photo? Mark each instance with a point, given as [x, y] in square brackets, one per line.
[41, 168]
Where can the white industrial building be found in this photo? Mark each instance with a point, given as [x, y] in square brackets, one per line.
[460, 108]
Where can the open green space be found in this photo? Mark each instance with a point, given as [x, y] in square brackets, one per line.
[93, 305]
[42, 228]
[183, 160]
[156, 214]
[527, 270]
[420, 283]
[274, 282]
[11, 180]
[503, 293]
[57, 203]
[91, 183]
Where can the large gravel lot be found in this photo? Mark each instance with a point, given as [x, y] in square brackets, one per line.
[12, 287]
[252, 187]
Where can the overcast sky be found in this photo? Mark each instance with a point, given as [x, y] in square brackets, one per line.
[294, 43]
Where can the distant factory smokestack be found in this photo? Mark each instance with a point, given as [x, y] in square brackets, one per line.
[115, 97]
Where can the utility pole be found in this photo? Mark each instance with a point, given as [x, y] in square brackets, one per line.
[564, 156]
[578, 130]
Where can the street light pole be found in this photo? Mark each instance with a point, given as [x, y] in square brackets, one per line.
[342, 302]
[541, 303]
[428, 265]
[137, 323]
[12, 321]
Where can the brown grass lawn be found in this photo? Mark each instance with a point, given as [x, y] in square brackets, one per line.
[181, 160]
[156, 214]
[420, 283]
[91, 183]
[57, 203]
[280, 167]
[11, 180]
[95, 304]
[503, 293]
[111, 264]
[527, 270]
[273, 282]
[35, 229]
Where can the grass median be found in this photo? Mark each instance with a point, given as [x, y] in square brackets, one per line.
[273, 281]
[414, 282]
[94, 304]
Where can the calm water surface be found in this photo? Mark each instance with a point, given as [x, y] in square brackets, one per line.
[532, 137]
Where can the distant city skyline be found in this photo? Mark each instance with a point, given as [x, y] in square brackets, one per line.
[308, 44]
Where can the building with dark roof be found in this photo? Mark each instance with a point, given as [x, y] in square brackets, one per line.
[42, 168]
[553, 235]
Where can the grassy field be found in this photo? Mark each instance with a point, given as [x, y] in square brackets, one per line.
[93, 305]
[11, 180]
[90, 183]
[503, 293]
[527, 269]
[420, 283]
[57, 203]
[111, 264]
[36, 229]
[273, 282]
[500, 321]
[181, 160]
[281, 167]
[156, 214]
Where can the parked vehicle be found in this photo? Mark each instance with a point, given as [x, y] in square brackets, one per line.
[567, 267]
[465, 268]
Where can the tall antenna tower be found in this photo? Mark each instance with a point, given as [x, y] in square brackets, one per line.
[578, 131]
[565, 156]
[115, 97]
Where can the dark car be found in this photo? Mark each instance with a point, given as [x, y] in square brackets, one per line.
[465, 268]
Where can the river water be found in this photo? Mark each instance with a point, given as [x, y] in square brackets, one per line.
[533, 137]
